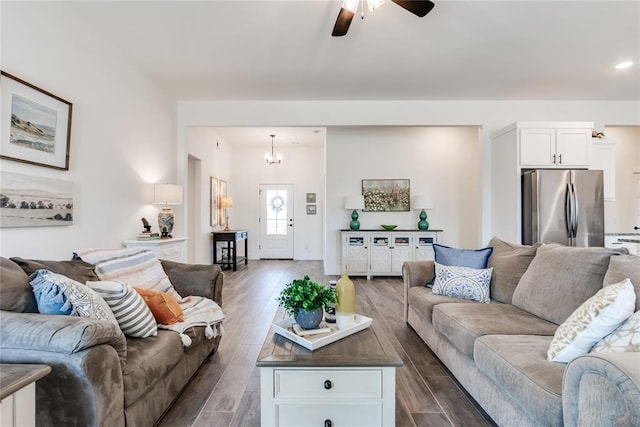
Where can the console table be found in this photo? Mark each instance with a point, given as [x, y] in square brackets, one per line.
[231, 237]
[174, 249]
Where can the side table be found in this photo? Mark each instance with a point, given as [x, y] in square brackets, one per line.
[18, 393]
[231, 237]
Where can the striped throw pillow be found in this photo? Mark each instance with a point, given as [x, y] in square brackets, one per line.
[131, 312]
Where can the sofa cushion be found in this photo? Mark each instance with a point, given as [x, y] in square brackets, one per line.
[148, 361]
[76, 269]
[517, 364]
[131, 312]
[423, 301]
[472, 258]
[625, 267]
[626, 337]
[165, 309]
[15, 292]
[509, 262]
[462, 282]
[559, 279]
[462, 324]
[596, 318]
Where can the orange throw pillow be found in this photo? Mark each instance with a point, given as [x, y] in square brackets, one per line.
[165, 309]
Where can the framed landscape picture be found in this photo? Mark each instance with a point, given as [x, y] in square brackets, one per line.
[32, 201]
[35, 125]
[386, 195]
[213, 206]
[222, 192]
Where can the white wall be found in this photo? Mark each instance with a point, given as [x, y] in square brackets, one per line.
[215, 161]
[442, 163]
[620, 214]
[122, 136]
[302, 166]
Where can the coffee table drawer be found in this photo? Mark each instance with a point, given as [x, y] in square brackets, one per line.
[328, 414]
[296, 383]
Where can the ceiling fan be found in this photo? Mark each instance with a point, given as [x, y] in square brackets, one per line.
[349, 7]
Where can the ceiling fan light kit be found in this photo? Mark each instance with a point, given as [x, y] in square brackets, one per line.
[349, 8]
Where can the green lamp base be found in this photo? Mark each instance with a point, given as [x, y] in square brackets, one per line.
[354, 224]
[423, 224]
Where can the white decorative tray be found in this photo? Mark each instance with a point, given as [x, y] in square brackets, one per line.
[312, 342]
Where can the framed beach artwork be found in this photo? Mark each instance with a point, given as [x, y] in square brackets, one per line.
[386, 195]
[35, 125]
[213, 213]
[32, 201]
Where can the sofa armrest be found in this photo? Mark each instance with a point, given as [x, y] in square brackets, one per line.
[415, 273]
[602, 389]
[195, 279]
[58, 334]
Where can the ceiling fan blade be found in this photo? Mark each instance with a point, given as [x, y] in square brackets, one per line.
[417, 7]
[342, 22]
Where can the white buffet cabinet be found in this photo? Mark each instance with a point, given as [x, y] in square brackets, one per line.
[382, 253]
[167, 249]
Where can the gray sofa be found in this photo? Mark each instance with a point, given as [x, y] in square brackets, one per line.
[100, 377]
[498, 351]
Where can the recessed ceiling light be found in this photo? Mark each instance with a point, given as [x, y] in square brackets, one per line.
[623, 65]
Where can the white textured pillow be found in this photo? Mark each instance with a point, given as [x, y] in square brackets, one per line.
[131, 312]
[462, 282]
[596, 318]
[625, 338]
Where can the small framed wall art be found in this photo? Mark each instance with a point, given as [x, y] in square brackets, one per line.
[311, 209]
[213, 212]
[311, 197]
[222, 192]
[35, 125]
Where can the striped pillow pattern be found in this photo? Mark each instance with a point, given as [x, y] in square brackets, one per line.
[139, 268]
[130, 310]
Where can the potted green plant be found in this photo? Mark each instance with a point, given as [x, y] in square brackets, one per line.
[305, 300]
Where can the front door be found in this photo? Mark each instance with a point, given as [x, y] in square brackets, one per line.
[276, 221]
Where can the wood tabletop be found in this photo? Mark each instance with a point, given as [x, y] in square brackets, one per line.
[13, 377]
[369, 347]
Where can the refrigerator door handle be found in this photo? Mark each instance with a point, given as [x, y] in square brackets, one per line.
[568, 211]
[576, 211]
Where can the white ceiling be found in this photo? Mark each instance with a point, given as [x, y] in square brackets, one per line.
[462, 50]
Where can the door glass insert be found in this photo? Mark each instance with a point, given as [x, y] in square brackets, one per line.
[277, 212]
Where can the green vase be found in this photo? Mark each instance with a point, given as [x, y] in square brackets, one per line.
[423, 224]
[354, 224]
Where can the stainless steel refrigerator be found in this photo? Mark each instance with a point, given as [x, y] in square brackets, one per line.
[563, 206]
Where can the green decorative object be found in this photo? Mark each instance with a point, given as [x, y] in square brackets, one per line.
[423, 224]
[389, 227]
[354, 224]
[303, 296]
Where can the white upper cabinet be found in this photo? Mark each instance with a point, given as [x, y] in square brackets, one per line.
[555, 147]
[603, 157]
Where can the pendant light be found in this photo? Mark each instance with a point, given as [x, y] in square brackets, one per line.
[271, 159]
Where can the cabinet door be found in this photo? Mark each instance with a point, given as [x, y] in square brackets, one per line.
[355, 255]
[603, 157]
[537, 147]
[424, 247]
[380, 253]
[573, 147]
[401, 251]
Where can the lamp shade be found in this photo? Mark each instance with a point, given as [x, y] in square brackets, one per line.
[354, 202]
[422, 202]
[167, 194]
[226, 202]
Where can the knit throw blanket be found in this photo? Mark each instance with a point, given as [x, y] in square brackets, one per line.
[140, 268]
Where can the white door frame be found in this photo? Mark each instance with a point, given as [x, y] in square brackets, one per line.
[276, 246]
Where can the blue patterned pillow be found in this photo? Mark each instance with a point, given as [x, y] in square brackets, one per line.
[49, 296]
[462, 282]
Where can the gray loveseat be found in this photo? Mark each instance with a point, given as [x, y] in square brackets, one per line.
[497, 351]
[100, 377]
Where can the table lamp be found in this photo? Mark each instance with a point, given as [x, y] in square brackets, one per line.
[355, 203]
[226, 203]
[167, 194]
[423, 203]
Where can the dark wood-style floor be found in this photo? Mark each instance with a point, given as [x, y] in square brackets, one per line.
[226, 389]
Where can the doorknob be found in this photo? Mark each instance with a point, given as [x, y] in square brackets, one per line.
[290, 222]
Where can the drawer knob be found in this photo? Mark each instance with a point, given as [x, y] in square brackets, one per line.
[327, 386]
[328, 423]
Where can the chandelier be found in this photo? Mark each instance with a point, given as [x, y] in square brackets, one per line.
[271, 158]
